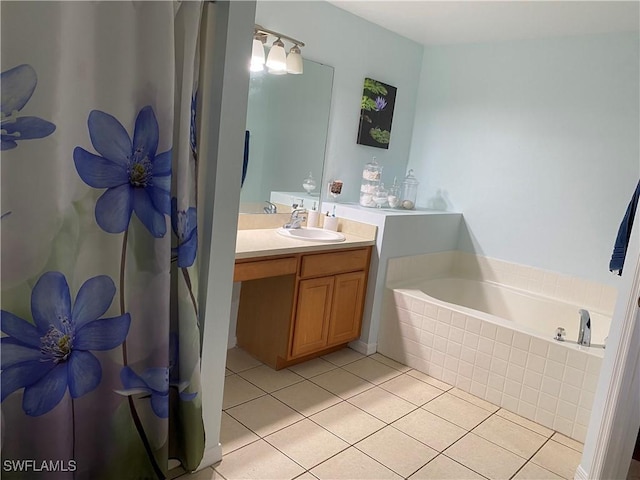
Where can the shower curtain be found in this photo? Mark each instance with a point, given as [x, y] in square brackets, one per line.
[100, 348]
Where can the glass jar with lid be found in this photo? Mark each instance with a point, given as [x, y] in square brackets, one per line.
[371, 176]
[394, 194]
[409, 191]
[309, 184]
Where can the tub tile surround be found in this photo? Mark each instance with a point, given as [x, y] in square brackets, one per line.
[399, 426]
[533, 377]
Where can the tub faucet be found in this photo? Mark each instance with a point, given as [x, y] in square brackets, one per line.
[584, 334]
[296, 220]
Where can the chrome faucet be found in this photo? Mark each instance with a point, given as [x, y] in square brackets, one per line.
[584, 334]
[270, 208]
[296, 219]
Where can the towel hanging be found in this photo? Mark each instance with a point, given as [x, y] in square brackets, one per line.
[624, 234]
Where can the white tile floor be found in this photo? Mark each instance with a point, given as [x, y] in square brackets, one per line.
[347, 416]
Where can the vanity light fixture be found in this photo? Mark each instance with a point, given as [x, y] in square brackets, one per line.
[277, 58]
[294, 61]
[277, 61]
[257, 52]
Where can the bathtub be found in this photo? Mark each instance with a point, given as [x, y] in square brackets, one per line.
[468, 321]
[514, 308]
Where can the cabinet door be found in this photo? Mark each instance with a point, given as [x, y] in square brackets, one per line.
[311, 324]
[346, 309]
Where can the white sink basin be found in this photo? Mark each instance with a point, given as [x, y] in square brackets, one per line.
[311, 234]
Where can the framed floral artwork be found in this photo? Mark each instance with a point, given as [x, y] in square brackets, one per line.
[376, 113]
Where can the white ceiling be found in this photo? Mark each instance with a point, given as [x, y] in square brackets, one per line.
[472, 21]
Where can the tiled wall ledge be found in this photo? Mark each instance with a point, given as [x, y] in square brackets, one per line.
[591, 295]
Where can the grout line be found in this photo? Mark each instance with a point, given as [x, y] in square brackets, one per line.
[465, 466]
[385, 423]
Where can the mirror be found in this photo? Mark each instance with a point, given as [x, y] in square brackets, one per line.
[287, 120]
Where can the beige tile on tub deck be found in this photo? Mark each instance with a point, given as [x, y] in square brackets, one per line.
[484, 457]
[233, 434]
[347, 422]
[270, 380]
[342, 383]
[237, 390]
[558, 458]
[306, 443]
[509, 435]
[352, 464]
[239, 360]
[382, 404]
[264, 415]
[306, 397]
[429, 429]
[258, 461]
[411, 389]
[396, 450]
[531, 471]
[343, 357]
[372, 370]
[456, 410]
[443, 468]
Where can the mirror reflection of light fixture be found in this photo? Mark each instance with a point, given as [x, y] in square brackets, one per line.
[294, 61]
[257, 52]
[277, 58]
[277, 61]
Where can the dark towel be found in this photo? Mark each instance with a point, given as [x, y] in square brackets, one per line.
[624, 233]
[245, 160]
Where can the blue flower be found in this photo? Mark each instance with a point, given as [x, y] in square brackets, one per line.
[54, 354]
[381, 103]
[184, 224]
[154, 382]
[137, 180]
[17, 85]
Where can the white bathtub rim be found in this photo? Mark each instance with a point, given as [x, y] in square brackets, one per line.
[496, 320]
[408, 285]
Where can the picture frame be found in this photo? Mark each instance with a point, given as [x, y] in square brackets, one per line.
[376, 113]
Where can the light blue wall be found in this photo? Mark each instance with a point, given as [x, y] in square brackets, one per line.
[356, 49]
[536, 142]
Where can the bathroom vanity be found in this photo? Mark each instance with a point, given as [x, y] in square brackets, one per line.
[299, 299]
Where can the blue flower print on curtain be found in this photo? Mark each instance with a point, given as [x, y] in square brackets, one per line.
[154, 382]
[17, 85]
[174, 370]
[184, 225]
[137, 180]
[54, 354]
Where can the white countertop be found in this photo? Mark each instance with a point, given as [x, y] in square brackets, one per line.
[265, 242]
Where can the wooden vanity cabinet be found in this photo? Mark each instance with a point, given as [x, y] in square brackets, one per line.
[284, 320]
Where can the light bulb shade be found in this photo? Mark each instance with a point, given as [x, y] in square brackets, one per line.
[294, 61]
[276, 72]
[257, 56]
[277, 58]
